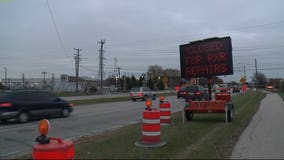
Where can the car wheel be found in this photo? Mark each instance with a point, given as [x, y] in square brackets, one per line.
[154, 97]
[189, 115]
[133, 100]
[144, 98]
[4, 120]
[23, 117]
[178, 97]
[65, 112]
[186, 99]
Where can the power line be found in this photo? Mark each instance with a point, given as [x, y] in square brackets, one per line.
[259, 25]
[261, 48]
[271, 69]
[171, 52]
[242, 28]
[55, 26]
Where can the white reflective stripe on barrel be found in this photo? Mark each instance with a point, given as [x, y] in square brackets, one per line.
[165, 109]
[165, 117]
[151, 121]
[151, 133]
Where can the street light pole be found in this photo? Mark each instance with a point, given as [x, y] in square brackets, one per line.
[256, 75]
[5, 81]
[44, 83]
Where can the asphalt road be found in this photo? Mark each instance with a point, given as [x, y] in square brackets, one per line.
[70, 98]
[85, 120]
[264, 137]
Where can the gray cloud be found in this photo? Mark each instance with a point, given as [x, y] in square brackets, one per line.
[137, 33]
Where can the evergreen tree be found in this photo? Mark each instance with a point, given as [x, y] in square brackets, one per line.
[151, 83]
[133, 81]
[2, 86]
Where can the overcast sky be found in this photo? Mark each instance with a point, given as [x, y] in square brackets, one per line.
[138, 33]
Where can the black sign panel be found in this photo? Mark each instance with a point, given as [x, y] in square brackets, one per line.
[206, 58]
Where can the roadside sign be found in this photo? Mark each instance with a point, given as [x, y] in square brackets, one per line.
[206, 58]
[243, 80]
[165, 80]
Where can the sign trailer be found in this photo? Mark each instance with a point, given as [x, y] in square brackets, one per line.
[208, 58]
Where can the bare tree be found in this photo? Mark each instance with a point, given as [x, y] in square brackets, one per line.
[259, 80]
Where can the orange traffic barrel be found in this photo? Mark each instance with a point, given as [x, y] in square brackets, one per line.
[165, 113]
[55, 149]
[151, 130]
[51, 148]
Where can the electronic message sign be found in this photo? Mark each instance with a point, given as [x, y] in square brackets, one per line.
[206, 58]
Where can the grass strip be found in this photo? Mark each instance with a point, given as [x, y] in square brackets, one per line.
[99, 100]
[281, 94]
[207, 136]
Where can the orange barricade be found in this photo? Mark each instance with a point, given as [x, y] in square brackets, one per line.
[56, 149]
[165, 113]
[151, 130]
[51, 148]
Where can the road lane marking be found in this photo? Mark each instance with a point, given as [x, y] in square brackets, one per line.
[4, 156]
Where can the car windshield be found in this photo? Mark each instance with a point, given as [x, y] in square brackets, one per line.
[135, 90]
[192, 88]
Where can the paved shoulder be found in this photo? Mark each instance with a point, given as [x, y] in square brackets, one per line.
[264, 137]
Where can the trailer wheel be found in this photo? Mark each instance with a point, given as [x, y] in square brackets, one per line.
[230, 115]
[189, 115]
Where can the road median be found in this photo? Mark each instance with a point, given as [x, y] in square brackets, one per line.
[109, 99]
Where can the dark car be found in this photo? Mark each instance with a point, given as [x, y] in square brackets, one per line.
[181, 92]
[236, 89]
[195, 92]
[26, 104]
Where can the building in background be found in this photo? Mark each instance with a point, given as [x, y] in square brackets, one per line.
[63, 84]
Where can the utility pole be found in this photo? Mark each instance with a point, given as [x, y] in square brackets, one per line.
[118, 70]
[115, 73]
[44, 83]
[144, 83]
[244, 68]
[77, 62]
[115, 65]
[245, 72]
[23, 80]
[101, 63]
[9, 80]
[52, 81]
[124, 82]
[5, 81]
[256, 75]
